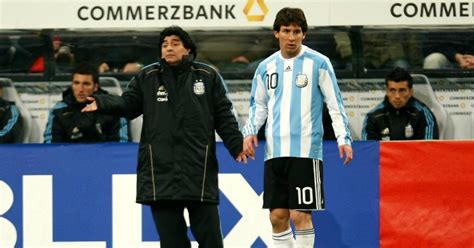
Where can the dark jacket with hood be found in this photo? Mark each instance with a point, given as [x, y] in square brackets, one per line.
[415, 121]
[182, 107]
[10, 122]
[67, 124]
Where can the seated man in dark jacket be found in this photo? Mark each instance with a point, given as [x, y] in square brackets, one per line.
[10, 120]
[400, 116]
[66, 122]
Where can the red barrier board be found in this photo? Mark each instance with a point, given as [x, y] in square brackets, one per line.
[427, 194]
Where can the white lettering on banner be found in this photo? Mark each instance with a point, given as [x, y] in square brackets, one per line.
[127, 231]
[38, 216]
[126, 215]
[254, 222]
[8, 235]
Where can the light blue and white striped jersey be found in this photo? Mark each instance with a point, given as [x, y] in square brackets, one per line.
[289, 95]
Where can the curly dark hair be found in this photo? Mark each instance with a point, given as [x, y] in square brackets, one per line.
[183, 35]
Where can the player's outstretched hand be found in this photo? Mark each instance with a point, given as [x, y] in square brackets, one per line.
[91, 107]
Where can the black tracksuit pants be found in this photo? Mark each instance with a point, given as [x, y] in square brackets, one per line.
[171, 225]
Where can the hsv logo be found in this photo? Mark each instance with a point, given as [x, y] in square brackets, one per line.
[255, 18]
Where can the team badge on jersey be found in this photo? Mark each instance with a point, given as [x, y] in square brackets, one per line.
[199, 88]
[301, 80]
[162, 94]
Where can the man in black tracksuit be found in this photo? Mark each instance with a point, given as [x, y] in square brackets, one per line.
[10, 121]
[400, 116]
[66, 122]
[183, 103]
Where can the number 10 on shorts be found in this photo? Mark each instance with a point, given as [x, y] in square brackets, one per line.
[305, 195]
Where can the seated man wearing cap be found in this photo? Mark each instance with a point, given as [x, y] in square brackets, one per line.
[66, 122]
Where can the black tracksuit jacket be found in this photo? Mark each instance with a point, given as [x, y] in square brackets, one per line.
[67, 124]
[10, 122]
[415, 121]
[182, 107]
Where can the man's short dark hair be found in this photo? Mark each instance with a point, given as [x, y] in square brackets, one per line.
[87, 69]
[399, 74]
[183, 36]
[288, 16]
